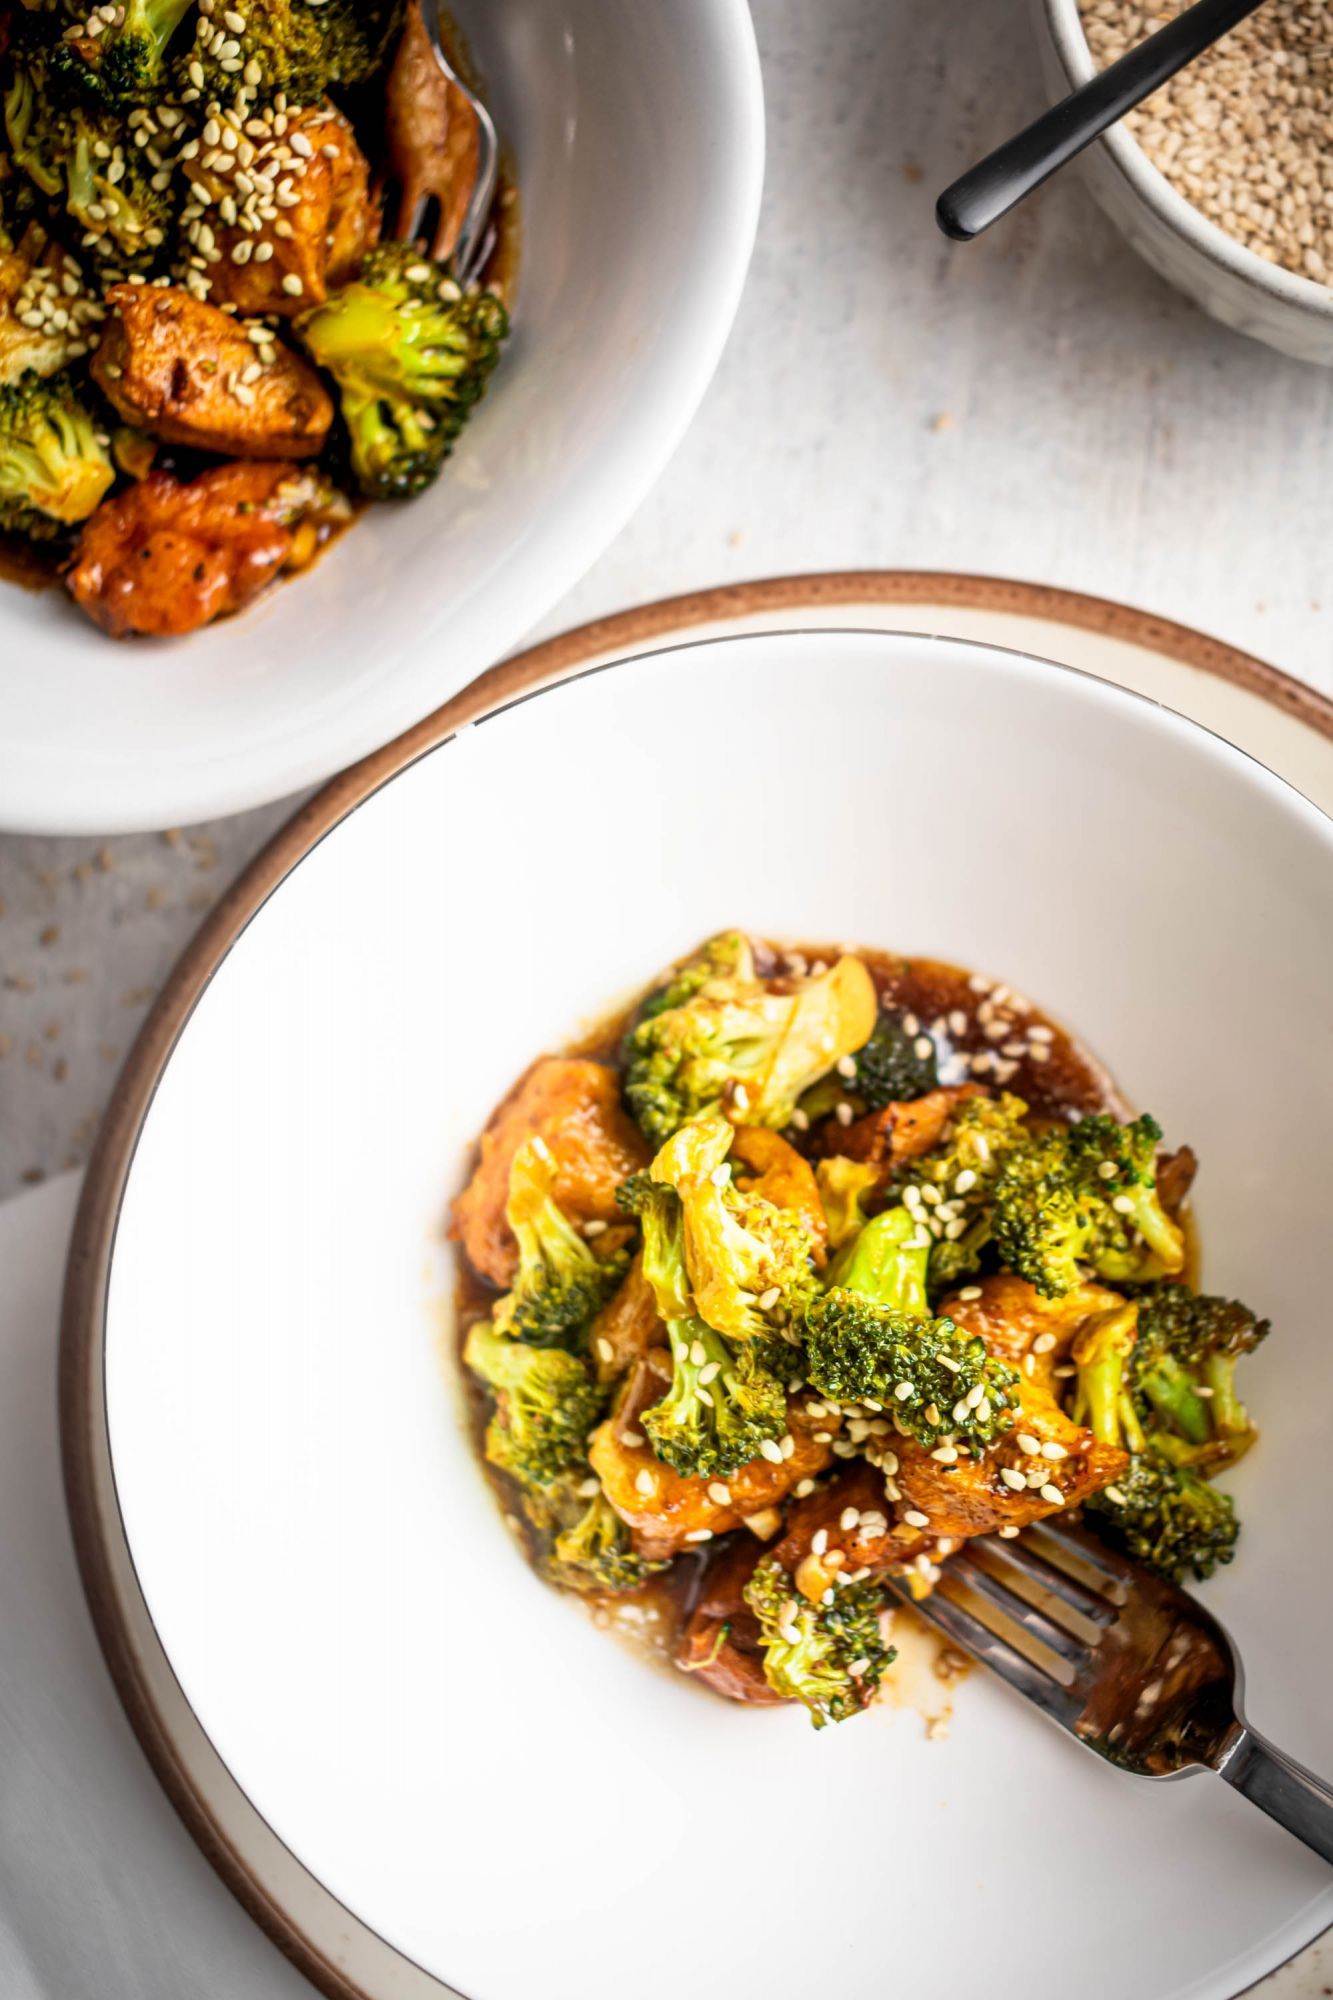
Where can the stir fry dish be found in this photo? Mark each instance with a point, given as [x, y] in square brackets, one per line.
[213, 343]
[811, 1269]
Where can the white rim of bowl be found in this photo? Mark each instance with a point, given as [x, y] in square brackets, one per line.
[1064, 22]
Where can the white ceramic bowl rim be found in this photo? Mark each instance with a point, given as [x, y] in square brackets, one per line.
[1319, 822]
[1151, 184]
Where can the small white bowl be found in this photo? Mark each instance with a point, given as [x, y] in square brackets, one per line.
[637, 137]
[1191, 252]
[507, 1796]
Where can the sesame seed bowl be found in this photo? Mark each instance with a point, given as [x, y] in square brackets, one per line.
[1216, 148]
[342, 1604]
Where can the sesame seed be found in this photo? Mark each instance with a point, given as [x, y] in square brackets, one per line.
[902, 1391]
[1114, 1494]
[605, 1350]
[1053, 1451]
[771, 1452]
[1122, 1204]
[1012, 1479]
[1038, 1052]
[1027, 1443]
[719, 1493]
[720, 1175]
[768, 1299]
[819, 1542]
[843, 1112]
[1007, 1534]
[788, 1445]
[846, 1066]
[961, 1413]
[923, 1048]
[588, 1488]
[195, 72]
[1043, 1343]
[740, 1096]
[1108, 1170]
[947, 1454]
[1054, 1495]
[915, 1518]
[848, 1519]
[800, 1119]
[975, 1395]
[700, 1535]
[709, 1373]
[804, 1488]
[632, 1439]
[644, 1482]
[698, 1353]
[970, 1292]
[263, 251]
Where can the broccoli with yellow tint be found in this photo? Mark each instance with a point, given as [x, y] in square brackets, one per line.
[830, 1657]
[53, 468]
[730, 1039]
[957, 1179]
[844, 1187]
[546, 1402]
[560, 1284]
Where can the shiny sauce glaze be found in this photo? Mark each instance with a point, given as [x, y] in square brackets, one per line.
[983, 1031]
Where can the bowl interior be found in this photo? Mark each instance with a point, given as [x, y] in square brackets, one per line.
[637, 143]
[457, 1753]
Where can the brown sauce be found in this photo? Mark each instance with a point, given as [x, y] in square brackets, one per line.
[962, 1012]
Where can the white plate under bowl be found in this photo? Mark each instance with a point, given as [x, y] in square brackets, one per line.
[636, 134]
[321, 1561]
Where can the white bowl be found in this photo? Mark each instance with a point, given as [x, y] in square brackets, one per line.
[454, 1751]
[637, 139]
[1242, 290]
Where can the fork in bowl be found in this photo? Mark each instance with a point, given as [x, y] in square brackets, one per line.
[1129, 1664]
[443, 150]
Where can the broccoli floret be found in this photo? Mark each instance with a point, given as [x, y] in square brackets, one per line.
[546, 1403]
[751, 1045]
[53, 470]
[844, 1187]
[830, 1657]
[871, 1337]
[1185, 1372]
[1104, 1401]
[125, 63]
[560, 1284]
[301, 51]
[1084, 1197]
[1166, 1517]
[983, 1134]
[726, 956]
[891, 1069]
[724, 1399]
[592, 1549]
[750, 1264]
[410, 358]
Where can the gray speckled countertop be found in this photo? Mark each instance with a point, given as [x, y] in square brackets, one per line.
[1037, 405]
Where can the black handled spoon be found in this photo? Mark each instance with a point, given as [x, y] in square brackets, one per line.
[1000, 181]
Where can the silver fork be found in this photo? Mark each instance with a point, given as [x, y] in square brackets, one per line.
[1130, 1665]
[420, 111]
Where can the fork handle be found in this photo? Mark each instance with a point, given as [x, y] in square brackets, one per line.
[1282, 1788]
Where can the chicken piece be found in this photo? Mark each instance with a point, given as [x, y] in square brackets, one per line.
[855, 1494]
[575, 1107]
[627, 1327]
[183, 369]
[777, 1172]
[900, 1132]
[164, 558]
[315, 225]
[1021, 1327]
[972, 1496]
[431, 137]
[669, 1513]
[720, 1640]
[1175, 1177]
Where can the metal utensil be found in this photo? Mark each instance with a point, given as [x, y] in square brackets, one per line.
[1000, 181]
[1129, 1664]
[443, 150]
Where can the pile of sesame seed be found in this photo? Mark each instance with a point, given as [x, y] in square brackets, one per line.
[1245, 134]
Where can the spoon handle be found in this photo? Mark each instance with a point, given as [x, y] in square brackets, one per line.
[997, 183]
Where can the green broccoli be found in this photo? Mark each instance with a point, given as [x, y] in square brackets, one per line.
[124, 63]
[546, 1403]
[54, 468]
[725, 1400]
[871, 1338]
[560, 1284]
[1167, 1518]
[1084, 1198]
[291, 49]
[832, 1656]
[591, 1550]
[894, 1066]
[410, 358]
[751, 1045]
[1133, 1389]
[726, 956]
[1185, 1372]
[950, 1188]
[750, 1264]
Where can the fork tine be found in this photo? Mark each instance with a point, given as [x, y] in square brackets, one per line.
[1054, 1581]
[1002, 1659]
[1087, 1549]
[1026, 1616]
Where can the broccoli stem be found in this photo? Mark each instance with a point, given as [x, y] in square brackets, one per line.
[887, 1263]
[1172, 1394]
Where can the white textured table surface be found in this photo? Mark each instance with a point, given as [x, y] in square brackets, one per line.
[1038, 405]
